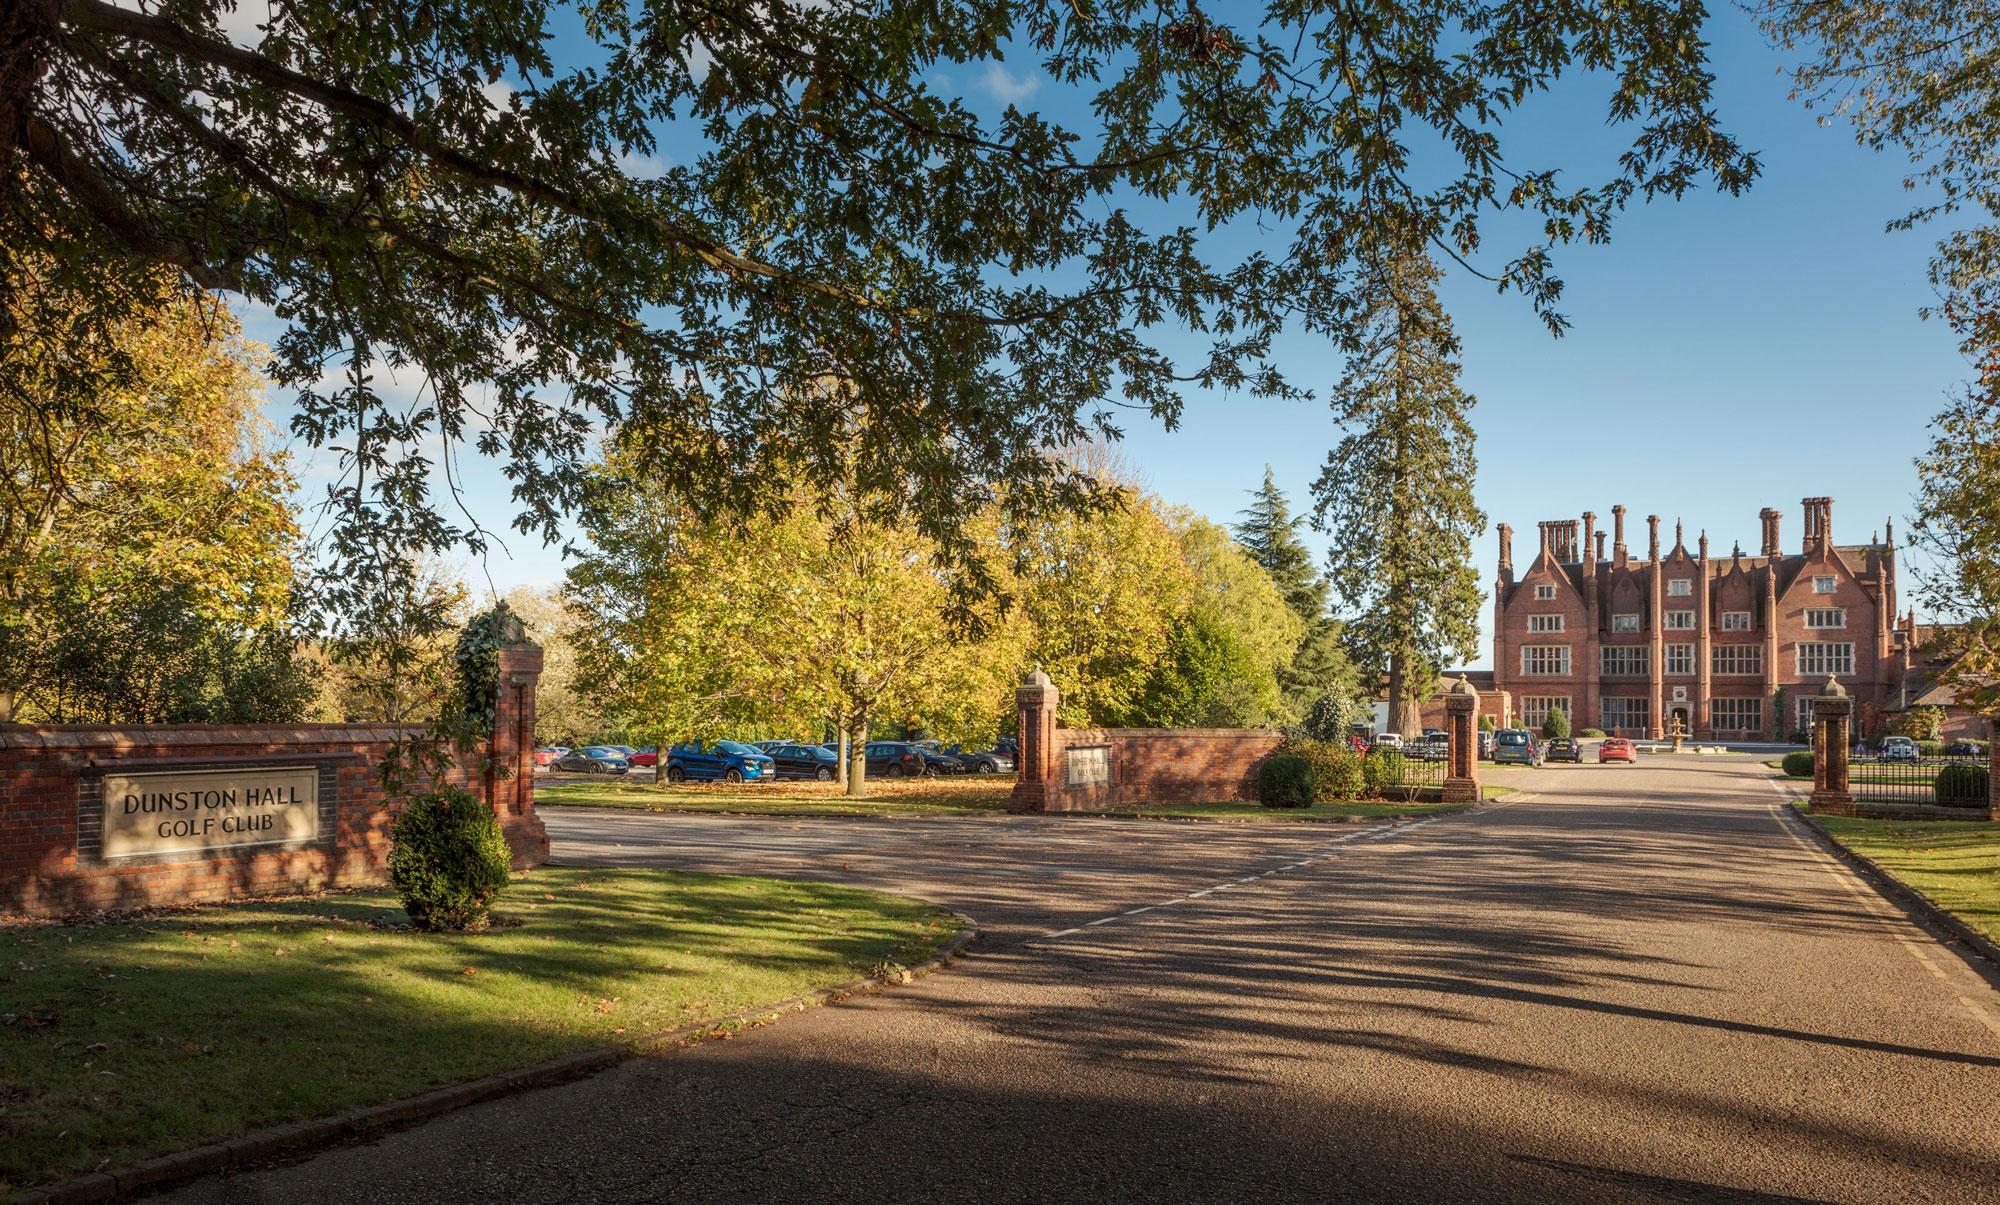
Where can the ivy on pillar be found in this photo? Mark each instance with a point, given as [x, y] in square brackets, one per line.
[1036, 701]
[1461, 706]
[510, 761]
[1833, 717]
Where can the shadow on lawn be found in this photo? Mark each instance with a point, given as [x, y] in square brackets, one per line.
[121, 1041]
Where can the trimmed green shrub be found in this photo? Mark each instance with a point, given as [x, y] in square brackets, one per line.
[1382, 773]
[1961, 785]
[448, 860]
[1486, 723]
[1930, 748]
[1798, 765]
[1285, 780]
[1591, 732]
[1555, 725]
[1336, 768]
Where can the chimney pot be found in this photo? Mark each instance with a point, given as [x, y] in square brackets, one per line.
[1652, 537]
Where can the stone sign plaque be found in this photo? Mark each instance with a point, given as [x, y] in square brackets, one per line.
[1088, 766]
[179, 811]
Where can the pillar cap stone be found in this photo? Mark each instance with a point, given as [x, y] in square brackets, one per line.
[1832, 689]
[1038, 678]
[1464, 687]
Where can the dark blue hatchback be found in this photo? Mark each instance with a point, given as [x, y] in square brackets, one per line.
[719, 761]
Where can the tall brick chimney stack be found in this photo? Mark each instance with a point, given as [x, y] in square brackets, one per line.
[1653, 537]
[1506, 552]
[1590, 541]
[1819, 524]
[1703, 545]
[1770, 520]
[1600, 545]
[1618, 533]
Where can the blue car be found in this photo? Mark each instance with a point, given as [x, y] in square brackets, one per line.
[719, 761]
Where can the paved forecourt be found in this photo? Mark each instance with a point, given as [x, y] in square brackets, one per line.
[1634, 984]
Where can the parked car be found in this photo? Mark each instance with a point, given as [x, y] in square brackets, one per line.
[1486, 742]
[1008, 747]
[1564, 748]
[1517, 746]
[549, 753]
[936, 760]
[1386, 740]
[649, 756]
[1898, 748]
[1430, 748]
[1965, 749]
[1617, 748]
[793, 760]
[896, 759]
[991, 761]
[592, 759]
[723, 761]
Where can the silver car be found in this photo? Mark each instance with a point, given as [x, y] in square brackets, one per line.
[1518, 746]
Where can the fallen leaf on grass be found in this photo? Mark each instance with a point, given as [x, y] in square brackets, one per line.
[470, 971]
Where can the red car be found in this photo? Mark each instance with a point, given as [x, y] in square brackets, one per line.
[546, 755]
[1616, 748]
[645, 757]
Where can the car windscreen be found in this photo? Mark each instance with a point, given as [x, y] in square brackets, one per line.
[738, 748]
[602, 751]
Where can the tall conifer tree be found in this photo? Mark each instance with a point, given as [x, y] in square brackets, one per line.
[1397, 492]
[1269, 531]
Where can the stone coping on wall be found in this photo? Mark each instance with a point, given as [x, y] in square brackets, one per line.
[154, 736]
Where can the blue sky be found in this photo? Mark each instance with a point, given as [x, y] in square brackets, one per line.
[1726, 354]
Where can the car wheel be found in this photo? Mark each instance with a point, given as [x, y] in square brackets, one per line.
[732, 775]
[895, 771]
[676, 774]
[823, 774]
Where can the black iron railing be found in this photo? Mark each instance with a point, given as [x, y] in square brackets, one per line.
[1936, 781]
[1405, 774]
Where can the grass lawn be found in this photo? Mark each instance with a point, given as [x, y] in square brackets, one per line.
[920, 797]
[956, 795]
[1954, 863]
[120, 1042]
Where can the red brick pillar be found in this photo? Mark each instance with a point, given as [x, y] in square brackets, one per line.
[1832, 714]
[1993, 769]
[510, 762]
[1461, 708]
[1036, 700]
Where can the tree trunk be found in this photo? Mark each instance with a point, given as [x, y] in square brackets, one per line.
[1404, 715]
[843, 742]
[857, 756]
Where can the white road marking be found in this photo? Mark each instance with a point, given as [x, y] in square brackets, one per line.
[1369, 834]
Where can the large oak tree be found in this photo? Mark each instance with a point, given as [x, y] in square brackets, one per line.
[686, 214]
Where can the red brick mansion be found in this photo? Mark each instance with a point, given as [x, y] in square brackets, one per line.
[1730, 647]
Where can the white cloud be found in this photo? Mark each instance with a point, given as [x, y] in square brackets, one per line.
[1007, 87]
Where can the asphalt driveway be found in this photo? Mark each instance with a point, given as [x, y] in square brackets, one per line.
[1634, 984]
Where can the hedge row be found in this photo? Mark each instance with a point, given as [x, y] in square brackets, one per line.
[1326, 772]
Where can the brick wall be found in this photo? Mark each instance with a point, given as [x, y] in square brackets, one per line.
[1157, 766]
[50, 805]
